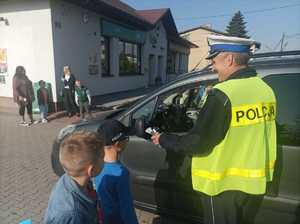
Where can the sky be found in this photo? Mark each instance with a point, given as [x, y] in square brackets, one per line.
[267, 20]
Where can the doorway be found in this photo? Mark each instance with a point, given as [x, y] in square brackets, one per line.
[159, 78]
[151, 69]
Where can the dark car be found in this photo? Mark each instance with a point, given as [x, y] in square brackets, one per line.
[161, 181]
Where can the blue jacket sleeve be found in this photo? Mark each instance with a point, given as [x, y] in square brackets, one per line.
[126, 204]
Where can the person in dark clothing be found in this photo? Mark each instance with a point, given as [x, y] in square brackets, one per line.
[112, 184]
[43, 97]
[23, 94]
[228, 169]
[68, 80]
[71, 201]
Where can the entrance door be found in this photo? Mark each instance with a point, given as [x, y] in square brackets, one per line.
[151, 69]
[159, 78]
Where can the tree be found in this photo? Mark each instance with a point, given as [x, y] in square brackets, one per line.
[237, 26]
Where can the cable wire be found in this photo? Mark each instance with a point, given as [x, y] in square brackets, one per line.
[244, 12]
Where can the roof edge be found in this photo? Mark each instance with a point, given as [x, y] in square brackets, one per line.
[144, 10]
[151, 10]
[182, 41]
[204, 28]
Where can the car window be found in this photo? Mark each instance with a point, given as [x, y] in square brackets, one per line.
[287, 91]
[145, 112]
[177, 110]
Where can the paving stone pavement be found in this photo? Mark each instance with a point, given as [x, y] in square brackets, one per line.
[26, 176]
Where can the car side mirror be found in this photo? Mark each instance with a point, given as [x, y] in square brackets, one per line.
[139, 127]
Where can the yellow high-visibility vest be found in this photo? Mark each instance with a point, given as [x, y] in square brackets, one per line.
[245, 158]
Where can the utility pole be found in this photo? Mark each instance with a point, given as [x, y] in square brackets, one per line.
[281, 42]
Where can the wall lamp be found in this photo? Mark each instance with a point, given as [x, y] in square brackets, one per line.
[5, 20]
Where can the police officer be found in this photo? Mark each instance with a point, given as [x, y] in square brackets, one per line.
[233, 143]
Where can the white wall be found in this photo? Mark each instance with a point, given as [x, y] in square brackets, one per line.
[28, 40]
[75, 41]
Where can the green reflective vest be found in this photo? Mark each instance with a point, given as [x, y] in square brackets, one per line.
[245, 158]
[82, 94]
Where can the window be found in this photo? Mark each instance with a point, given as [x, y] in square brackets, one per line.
[182, 62]
[130, 58]
[145, 112]
[173, 113]
[105, 68]
[287, 92]
[171, 62]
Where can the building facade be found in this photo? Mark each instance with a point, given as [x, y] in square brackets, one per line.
[198, 36]
[108, 45]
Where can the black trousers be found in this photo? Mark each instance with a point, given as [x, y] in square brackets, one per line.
[22, 107]
[230, 207]
[69, 101]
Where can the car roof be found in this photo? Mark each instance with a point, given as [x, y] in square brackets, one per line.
[275, 59]
[257, 61]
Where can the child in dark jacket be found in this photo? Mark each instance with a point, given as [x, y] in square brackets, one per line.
[43, 98]
[112, 184]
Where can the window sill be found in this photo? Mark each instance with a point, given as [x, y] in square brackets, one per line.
[107, 75]
[130, 74]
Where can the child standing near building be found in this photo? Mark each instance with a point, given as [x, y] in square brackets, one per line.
[81, 156]
[112, 184]
[82, 99]
[43, 98]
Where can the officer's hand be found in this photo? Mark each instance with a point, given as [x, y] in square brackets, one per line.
[155, 138]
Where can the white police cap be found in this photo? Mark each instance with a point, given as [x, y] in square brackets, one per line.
[218, 43]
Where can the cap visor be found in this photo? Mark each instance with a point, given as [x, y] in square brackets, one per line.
[212, 55]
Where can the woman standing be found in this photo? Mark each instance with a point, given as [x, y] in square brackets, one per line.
[23, 94]
[68, 80]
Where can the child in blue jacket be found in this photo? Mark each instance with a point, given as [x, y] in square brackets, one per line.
[112, 184]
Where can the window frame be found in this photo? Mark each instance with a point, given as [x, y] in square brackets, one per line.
[171, 62]
[137, 57]
[283, 138]
[163, 96]
[106, 41]
[157, 98]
